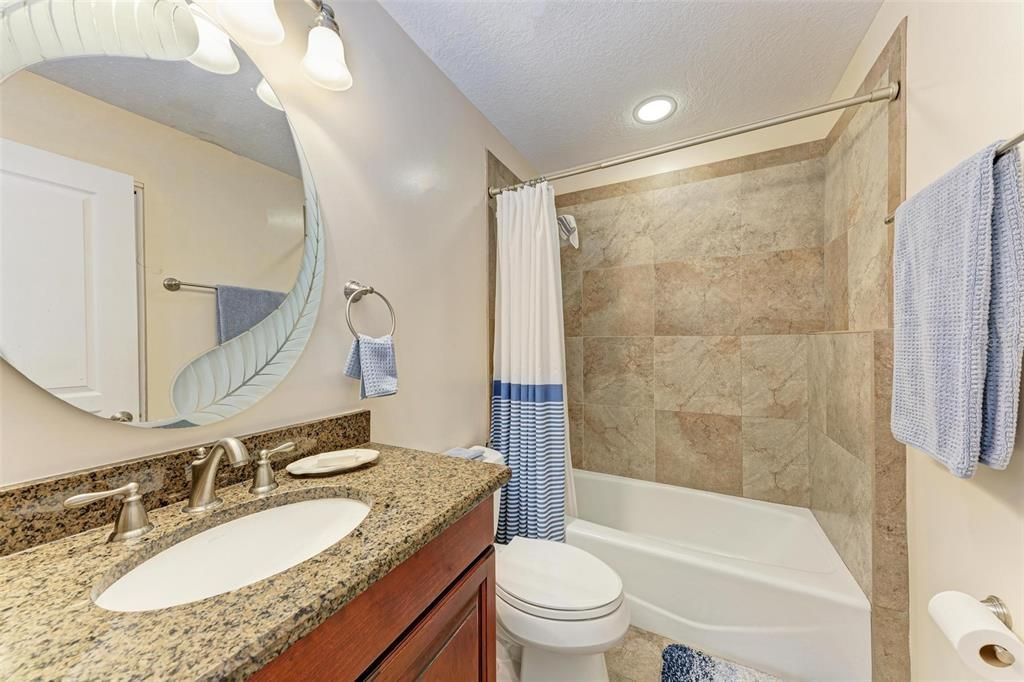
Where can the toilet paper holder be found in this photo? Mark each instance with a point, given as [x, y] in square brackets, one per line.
[993, 653]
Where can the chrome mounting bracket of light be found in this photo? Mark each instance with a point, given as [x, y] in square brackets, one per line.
[324, 15]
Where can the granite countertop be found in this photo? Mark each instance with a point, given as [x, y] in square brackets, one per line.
[50, 628]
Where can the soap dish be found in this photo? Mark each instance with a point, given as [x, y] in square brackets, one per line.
[332, 462]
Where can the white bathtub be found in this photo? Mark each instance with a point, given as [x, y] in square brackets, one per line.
[755, 582]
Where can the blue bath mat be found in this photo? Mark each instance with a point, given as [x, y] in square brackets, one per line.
[680, 663]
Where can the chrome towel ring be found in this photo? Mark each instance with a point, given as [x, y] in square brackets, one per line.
[353, 292]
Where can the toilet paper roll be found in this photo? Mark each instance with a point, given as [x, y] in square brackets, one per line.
[975, 632]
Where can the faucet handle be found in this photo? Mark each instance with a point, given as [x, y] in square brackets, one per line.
[264, 481]
[132, 520]
[283, 447]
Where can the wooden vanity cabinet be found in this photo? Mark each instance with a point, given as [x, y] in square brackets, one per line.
[431, 618]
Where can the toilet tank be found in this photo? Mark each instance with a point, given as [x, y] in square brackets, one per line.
[492, 457]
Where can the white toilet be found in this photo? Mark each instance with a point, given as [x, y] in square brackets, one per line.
[563, 606]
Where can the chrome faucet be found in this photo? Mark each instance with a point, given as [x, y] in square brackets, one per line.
[203, 496]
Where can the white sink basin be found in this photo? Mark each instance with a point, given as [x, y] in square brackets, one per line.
[234, 554]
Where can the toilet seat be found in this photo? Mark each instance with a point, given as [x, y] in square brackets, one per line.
[555, 581]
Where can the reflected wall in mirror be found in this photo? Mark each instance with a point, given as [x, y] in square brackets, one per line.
[118, 174]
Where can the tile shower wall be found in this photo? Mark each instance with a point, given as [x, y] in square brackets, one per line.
[857, 469]
[687, 309]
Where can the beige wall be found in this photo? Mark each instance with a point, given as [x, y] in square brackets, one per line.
[965, 88]
[211, 216]
[400, 165]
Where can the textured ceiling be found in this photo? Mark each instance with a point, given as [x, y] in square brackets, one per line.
[220, 109]
[560, 79]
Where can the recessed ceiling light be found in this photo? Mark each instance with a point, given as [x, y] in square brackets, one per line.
[654, 109]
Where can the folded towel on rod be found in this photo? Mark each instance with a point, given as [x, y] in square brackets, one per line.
[372, 361]
[959, 314]
[239, 309]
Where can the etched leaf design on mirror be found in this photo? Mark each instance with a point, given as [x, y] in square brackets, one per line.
[226, 380]
[33, 31]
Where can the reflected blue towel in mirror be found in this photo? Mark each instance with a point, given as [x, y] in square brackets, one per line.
[372, 362]
[239, 309]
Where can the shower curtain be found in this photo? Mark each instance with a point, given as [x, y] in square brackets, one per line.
[528, 412]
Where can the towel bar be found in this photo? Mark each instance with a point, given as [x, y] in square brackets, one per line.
[353, 292]
[1000, 150]
[175, 284]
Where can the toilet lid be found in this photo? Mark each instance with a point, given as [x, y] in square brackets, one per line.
[542, 576]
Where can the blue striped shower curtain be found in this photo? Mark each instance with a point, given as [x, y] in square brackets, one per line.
[528, 411]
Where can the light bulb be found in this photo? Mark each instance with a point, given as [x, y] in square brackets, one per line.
[255, 20]
[324, 62]
[266, 93]
[214, 52]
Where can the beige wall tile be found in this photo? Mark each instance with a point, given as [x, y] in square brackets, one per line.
[613, 232]
[696, 220]
[700, 451]
[619, 440]
[836, 289]
[783, 292]
[619, 301]
[572, 302]
[697, 374]
[574, 370]
[889, 539]
[774, 376]
[870, 264]
[775, 461]
[841, 501]
[576, 435]
[850, 415]
[890, 645]
[618, 371]
[782, 208]
[819, 353]
[697, 297]
[834, 200]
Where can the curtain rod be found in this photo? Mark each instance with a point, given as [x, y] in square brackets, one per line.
[886, 93]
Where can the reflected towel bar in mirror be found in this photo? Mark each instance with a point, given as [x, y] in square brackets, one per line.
[175, 284]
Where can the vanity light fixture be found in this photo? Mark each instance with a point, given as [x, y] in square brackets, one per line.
[214, 53]
[324, 63]
[654, 109]
[267, 95]
[256, 20]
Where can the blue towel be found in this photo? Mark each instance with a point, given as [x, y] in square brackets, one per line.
[372, 362]
[959, 307]
[239, 309]
[465, 453]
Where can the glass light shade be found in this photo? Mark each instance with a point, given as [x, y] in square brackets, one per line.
[324, 62]
[655, 109]
[255, 20]
[214, 53]
[267, 95]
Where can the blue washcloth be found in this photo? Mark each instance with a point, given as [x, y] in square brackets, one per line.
[239, 309]
[959, 307]
[465, 453]
[372, 362]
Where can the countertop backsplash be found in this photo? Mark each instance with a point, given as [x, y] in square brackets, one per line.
[32, 513]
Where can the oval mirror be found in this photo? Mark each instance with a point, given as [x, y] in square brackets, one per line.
[161, 251]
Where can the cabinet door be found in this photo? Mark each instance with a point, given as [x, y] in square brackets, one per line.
[455, 640]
